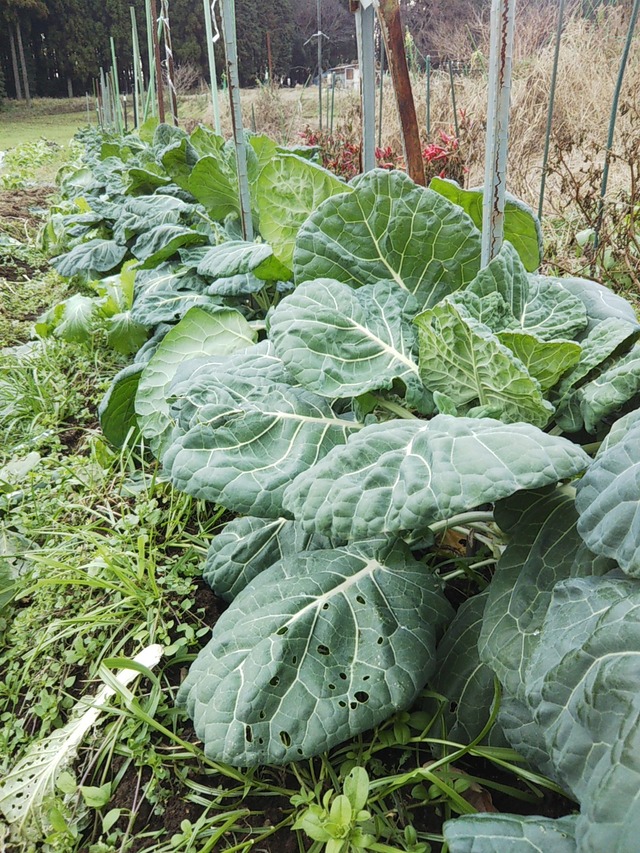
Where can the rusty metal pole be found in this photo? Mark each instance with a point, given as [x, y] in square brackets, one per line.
[391, 27]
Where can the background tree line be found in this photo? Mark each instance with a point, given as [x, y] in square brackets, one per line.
[56, 47]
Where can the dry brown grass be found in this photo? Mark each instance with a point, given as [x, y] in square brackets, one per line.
[588, 67]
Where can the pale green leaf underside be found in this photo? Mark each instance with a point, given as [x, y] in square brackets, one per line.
[199, 333]
[389, 228]
[545, 361]
[340, 342]
[290, 188]
[318, 648]
[463, 360]
[505, 833]
[405, 475]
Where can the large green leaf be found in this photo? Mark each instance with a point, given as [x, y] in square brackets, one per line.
[341, 342]
[248, 546]
[163, 241]
[236, 257]
[390, 228]
[318, 648]
[606, 339]
[583, 691]
[117, 411]
[467, 684]
[142, 213]
[405, 475]
[199, 333]
[521, 225]
[505, 833]
[608, 500]
[600, 303]
[246, 437]
[214, 182]
[72, 320]
[167, 305]
[462, 360]
[506, 275]
[541, 551]
[125, 334]
[551, 312]
[289, 188]
[545, 361]
[611, 390]
[178, 160]
[92, 259]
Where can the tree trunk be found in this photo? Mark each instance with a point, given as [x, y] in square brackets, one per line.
[391, 27]
[14, 63]
[23, 65]
[69, 87]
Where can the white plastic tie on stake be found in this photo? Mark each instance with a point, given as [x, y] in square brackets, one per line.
[216, 31]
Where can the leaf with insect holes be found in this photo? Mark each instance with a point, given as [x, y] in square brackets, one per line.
[316, 649]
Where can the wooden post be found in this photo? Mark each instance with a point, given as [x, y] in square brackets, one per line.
[14, 63]
[391, 27]
[23, 65]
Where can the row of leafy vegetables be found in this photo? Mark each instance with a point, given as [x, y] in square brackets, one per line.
[349, 386]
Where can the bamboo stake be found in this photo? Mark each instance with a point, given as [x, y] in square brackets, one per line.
[500, 59]
[453, 101]
[116, 86]
[428, 97]
[138, 76]
[319, 15]
[365, 26]
[209, 16]
[552, 96]
[231, 50]
[612, 119]
[333, 97]
[380, 93]
[157, 60]
[168, 52]
[150, 103]
[391, 27]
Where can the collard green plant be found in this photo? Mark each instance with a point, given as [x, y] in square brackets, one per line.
[395, 390]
